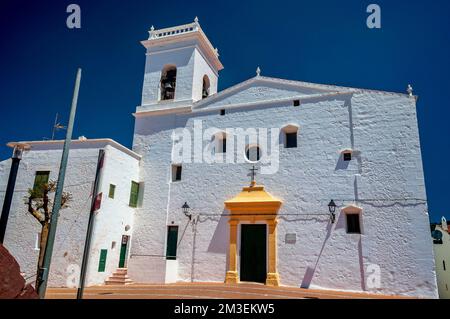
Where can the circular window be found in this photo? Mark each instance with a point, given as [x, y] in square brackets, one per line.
[253, 153]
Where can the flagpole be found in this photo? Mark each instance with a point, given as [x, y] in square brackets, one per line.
[45, 270]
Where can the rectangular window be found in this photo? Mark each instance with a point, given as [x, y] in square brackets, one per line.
[443, 264]
[353, 226]
[291, 140]
[172, 242]
[134, 194]
[102, 261]
[176, 173]
[221, 145]
[222, 112]
[112, 190]
[347, 157]
[40, 179]
[296, 102]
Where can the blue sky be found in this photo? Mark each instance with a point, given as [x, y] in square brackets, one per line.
[322, 41]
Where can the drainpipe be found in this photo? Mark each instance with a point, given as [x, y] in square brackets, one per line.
[16, 157]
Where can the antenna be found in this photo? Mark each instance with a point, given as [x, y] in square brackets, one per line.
[56, 127]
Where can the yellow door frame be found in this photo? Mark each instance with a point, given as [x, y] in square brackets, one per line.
[253, 204]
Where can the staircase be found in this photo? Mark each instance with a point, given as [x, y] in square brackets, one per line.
[119, 277]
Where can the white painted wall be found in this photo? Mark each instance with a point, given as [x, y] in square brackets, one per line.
[191, 67]
[201, 68]
[183, 59]
[171, 271]
[442, 255]
[114, 214]
[262, 91]
[382, 126]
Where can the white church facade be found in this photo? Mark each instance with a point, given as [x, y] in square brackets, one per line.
[234, 186]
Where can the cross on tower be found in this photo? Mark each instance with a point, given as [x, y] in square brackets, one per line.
[253, 173]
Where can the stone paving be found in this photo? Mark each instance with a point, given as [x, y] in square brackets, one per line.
[207, 291]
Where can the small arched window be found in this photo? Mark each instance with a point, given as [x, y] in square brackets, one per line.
[205, 87]
[168, 82]
[253, 153]
[289, 136]
[347, 154]
[353, 216]
[220, 142]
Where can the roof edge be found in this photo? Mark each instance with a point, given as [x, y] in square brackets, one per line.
[106, 141]
[317, 86]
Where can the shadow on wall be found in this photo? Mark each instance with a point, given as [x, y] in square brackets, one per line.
[340, 222]
[341, 164]
[309, 273]
[361, 265]
[219, 241]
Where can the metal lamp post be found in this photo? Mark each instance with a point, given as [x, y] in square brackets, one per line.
[45, 270]
[16, 157]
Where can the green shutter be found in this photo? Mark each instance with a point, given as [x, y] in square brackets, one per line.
[134, 194]
[112, 190]
[172, 240]
[40, 179]
[102, 261]
[123, 255]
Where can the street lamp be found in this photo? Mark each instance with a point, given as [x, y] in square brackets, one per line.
[186, 210]
[332, 209]
[15, 160]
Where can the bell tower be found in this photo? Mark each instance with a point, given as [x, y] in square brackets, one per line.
[181, 68]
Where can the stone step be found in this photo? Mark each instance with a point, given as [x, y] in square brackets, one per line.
[119, 277]
[111, 281]
[121, 270]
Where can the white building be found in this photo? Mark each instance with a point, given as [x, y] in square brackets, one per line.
[114, 219]
[358, 147]
[441, 245]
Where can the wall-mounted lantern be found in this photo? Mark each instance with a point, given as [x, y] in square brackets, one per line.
[332, 209]
[186, 210]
